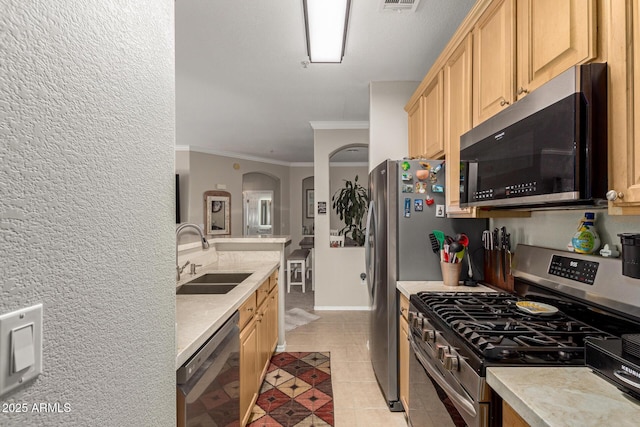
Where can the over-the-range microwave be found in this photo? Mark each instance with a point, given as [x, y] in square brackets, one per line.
[548, 149]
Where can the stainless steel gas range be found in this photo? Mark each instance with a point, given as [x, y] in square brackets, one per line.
[563, 300]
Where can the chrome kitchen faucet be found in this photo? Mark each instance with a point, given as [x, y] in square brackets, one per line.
[205, 244]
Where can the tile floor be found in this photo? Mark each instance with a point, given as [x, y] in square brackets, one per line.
[357, 398]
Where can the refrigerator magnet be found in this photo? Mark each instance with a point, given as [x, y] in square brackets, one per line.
[406, 176]
[407, 207]
[421, 187]
[406, 166]
[407, 188]
[437, 188]
[417, 205]
[429, 200]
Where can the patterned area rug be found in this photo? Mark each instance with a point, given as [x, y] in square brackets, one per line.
[296, 392]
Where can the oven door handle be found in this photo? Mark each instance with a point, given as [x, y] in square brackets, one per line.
[456, 397]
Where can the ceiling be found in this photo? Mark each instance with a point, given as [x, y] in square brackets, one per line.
[241, 87]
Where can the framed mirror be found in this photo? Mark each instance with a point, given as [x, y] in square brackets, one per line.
[217, 212]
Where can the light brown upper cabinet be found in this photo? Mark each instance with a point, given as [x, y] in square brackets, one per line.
[494, 50]
[623, 21]
[417, 139]
[457, 119]
[434, 121]
[552, 36]
[426, 133]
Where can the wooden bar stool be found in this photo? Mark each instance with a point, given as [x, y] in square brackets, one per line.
[297, 262]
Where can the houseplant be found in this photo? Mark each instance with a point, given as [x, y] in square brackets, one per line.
[351, 203]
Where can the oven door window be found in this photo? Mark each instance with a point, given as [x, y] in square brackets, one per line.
[429, 404]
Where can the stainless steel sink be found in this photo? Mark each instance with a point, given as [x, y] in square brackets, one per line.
[205, 288]
[212, 283]
[221, 278]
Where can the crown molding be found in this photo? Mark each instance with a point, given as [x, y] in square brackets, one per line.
[239, 156]
[338, 125]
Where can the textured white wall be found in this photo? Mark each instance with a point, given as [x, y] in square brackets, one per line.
[86, 205]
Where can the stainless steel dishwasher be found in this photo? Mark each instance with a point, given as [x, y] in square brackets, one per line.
[208, 391]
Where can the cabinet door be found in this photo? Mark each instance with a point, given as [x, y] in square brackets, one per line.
[262, 328]
[417, 146]
[273, 320]
[552, 37]
[403, 355]
[493, 60]
[457, 119]
[433, 118]
[510, 417]
[624, 106]
[248, 370]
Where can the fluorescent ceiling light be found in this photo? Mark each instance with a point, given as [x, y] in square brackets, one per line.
[326, 25]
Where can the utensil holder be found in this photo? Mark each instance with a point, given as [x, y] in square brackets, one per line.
[451, 273]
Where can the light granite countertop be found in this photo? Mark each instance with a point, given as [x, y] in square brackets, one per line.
[413, 287]
[567, 397]
[251, 239]
[199, 316]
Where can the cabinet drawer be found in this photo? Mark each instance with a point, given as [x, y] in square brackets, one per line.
[273, 280]
[404, 306]
[262, 292]
[247, 310]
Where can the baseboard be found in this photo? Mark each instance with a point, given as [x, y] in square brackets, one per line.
[281, 347]
[342, 308]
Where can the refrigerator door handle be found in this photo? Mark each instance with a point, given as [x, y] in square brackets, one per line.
[367, 248]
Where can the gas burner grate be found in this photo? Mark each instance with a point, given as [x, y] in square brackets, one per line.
[497, 330]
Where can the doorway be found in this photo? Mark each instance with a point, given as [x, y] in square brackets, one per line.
[261, 212]
[257, 213]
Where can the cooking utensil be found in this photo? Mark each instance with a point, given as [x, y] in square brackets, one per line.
[503, 250]
[440, 236]
[463, 239]
[508, 250]
[495, 253]
[454, 248]
[435, 245]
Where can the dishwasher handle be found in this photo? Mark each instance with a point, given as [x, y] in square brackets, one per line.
[191, 366]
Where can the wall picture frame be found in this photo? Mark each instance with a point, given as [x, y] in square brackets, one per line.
[217, 212]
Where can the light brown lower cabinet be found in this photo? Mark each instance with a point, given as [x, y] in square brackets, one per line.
[248, 370]
[510, 417]
[258, 340]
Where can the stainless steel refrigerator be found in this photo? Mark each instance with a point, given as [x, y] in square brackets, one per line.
[403, 210]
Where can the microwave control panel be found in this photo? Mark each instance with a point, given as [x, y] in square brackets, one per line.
[509, 191]
[574, 269]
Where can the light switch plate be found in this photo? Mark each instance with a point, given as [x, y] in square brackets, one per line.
[10, 326]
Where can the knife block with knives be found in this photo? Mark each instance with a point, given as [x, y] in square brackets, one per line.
[497, 258]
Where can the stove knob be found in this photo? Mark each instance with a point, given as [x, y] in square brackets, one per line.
[418, 321]
[428, 335]
[412, 315]
[442, 350]
[451, 362]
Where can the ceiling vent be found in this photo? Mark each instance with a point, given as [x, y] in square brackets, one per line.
[398, 5]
